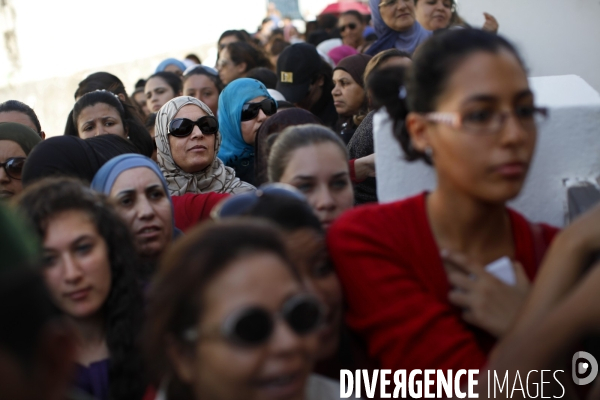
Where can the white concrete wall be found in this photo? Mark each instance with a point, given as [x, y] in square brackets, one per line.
[568, 149]
[556, 37]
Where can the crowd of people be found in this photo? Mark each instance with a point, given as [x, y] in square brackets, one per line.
[216, 234]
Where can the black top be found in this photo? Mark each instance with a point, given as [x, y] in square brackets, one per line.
[361, 145]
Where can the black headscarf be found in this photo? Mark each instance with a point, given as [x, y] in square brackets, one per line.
[73, 156]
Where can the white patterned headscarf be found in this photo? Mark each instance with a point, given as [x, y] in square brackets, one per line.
[214, 178]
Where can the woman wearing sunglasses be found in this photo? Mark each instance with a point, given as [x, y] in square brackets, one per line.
[243, 107]
[217, 329]
[188, 140]
[16, 142]
[351, 25]
[468, 112]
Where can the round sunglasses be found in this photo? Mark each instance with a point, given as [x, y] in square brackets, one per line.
[251, 110]
[182, 127]
[14, 167]
[253, 326]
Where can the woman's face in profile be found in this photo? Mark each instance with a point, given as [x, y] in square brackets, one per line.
[278, 368]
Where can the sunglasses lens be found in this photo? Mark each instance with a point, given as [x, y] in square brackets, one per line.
[303, 315]
[181, 127]
[252, 327]
[250, 111]
[14, 167]
[209, 125]
[269, 106]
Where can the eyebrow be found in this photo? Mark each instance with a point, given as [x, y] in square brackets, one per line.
[77, 240]
[491, 98]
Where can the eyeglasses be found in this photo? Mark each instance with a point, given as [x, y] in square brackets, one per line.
[14, 167]
[351, 26]
[250, 110]
[253, 326]
[182, 127]
[490, 122]
[243, 203]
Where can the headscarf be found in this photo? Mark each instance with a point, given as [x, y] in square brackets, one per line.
[73, 156]
[231, 101]
[273, 125]
[355, 65]
[170, 61]
[214, 178]
[388, 38]
[107, 175]
[24, 136]
[337, 54]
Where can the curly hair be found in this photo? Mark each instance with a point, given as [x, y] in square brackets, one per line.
[123, 307]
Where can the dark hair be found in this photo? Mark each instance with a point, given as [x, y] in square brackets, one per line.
[278, 44]
[290, 214]
[433, 64]
[173, 80]
[150, 121]
[201, 70]
[16, 105]
[193, 57]
[100, 81]
[327, 21]
[295, 137]
[264, 75]
[354, 14]
[175, 297]
[379, 58]
[124, 305]
[140, 84]
[242, 52]
[242, 36]
[138, 135]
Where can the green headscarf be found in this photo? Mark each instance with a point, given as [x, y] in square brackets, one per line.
[24, 136]
[18, 245]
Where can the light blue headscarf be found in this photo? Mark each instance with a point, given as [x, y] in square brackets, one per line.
[231, 101]
[170, 61]
[387, 38]
[106, 176]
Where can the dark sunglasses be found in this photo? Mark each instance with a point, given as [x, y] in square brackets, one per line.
[250, 110]
[351, 26]
[182, 127]
[243, 203]
[14, 167]
[253, 326]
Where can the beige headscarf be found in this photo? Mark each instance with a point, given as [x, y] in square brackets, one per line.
[214, 178]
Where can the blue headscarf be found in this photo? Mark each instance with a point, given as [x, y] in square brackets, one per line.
[231, 101]
[107, 175]
[170, 61]
[388, 38]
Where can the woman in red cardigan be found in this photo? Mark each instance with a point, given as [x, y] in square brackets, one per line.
[413, 271]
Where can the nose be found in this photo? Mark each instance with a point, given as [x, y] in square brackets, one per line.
[336, 90]
[284, 342]
[261, 117]
[323, 200]
[513, 132]
[196, 133]
[4, 178]
[144, 209]
[72, 269]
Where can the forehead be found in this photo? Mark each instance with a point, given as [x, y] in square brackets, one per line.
[257, 99]
[340, 73]
[190, 111]
[98, 110]
[229, 39]
[155, 82]
[67, 226]
[198, 80]
[323, 159]
[135, 178]
[17, 117]
[257, 279]
[486, 74]
[344, 19]
[9, 149]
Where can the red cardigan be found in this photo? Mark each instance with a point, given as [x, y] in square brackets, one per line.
[396, 287]
[192, 208]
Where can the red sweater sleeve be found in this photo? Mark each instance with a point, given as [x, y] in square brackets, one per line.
[192, 208]
[396, 290]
